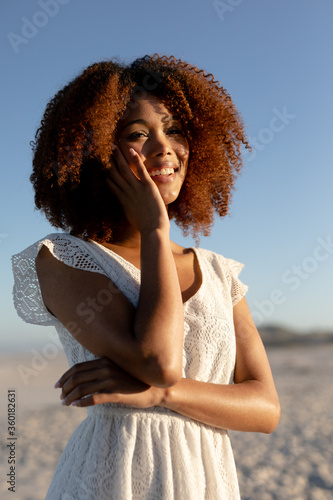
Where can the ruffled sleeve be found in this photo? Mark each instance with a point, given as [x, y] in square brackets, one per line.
[27, 296]
[237, 287]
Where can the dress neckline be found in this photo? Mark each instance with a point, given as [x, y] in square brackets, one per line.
[137, 272]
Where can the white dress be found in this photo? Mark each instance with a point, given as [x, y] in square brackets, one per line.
[124, 453]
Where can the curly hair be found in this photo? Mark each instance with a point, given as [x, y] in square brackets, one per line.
[73, 145]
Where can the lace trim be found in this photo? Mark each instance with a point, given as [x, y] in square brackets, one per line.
[93, 257]
[238, 289]
[228, 269]
[27, 296]
[133, 443]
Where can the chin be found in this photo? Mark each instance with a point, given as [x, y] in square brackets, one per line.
[169, 197]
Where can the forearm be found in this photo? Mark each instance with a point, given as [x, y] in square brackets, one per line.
[247, 406]
[108, 329]
[158, 324]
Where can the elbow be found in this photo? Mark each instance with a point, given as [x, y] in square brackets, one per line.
[163, 374]
[167, 380]
[273, 417]
[276, 417]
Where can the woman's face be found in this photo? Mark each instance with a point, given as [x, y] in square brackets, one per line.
[151, 130]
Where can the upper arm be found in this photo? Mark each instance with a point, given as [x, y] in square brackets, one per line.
[251, 358]
[91, 308]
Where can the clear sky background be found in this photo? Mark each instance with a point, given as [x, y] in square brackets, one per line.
[273, 57]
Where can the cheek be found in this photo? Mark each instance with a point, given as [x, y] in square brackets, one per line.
[184, 154]
[124, 148]
[128, 156]
[138, 147]
[184, 150]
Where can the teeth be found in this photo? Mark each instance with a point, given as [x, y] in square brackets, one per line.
[163, 171]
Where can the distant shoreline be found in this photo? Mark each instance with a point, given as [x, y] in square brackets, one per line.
[272, 336]
[277, 336]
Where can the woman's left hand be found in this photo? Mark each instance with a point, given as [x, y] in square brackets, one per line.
[102, 381]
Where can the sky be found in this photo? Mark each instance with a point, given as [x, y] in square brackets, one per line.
[272, 56]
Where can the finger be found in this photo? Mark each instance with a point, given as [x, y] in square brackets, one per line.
[87, 389]
[117, 178]
[120, 192]
[136, 162]
[95, 399]
[124, 166]
[81, 367]
[114, 187]
[122, 184]
[140, 167]
[133, 399]
[125, 170]
[95, 376]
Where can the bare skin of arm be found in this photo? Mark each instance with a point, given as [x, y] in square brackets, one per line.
[146, 342]
[250, 404]
[141, 350]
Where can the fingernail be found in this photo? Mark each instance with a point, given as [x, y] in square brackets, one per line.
[75, 403]
[63, 402]
[57, 385]
[133, 153]
[114, 146]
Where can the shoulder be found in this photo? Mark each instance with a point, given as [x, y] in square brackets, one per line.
[70, 250]
[66, 255]
[227, 270]
[229, 265]
[215, 260]
[52, 240]
[26, 290]
[61, 242]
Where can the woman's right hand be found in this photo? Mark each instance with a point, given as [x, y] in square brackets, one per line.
[102, 381]
[138, 194]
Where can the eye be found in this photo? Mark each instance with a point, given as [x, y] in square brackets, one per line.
[175, 130]
[136, 135]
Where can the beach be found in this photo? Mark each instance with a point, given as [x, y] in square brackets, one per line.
[294, 462]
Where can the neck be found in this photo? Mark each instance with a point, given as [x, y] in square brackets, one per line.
[126, 235]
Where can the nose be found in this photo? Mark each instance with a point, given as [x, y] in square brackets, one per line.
[160, 146]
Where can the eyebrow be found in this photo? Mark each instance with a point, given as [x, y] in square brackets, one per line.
[144, 122]
[139, 120]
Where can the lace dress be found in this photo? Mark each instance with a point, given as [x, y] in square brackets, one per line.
[124, 453]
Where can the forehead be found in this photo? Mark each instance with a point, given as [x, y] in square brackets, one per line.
[147, 108]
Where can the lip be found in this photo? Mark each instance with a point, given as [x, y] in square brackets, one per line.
[164, 179]
[159, 166]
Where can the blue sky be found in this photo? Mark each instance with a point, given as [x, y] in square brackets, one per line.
[273, 57]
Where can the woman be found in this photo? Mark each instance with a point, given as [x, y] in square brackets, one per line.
[162, 347]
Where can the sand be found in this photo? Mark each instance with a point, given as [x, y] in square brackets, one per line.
[295, 462]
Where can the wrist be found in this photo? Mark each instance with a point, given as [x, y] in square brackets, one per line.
[152, 238]
[167, 396]
[154, 235]
[157, 396]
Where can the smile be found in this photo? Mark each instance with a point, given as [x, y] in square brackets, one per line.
[164, 171]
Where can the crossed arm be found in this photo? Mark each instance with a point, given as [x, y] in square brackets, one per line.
[140, 350]
[125, 374]
[250, 404]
